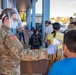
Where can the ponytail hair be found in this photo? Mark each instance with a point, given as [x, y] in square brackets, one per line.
[54, 32]
[56, 26]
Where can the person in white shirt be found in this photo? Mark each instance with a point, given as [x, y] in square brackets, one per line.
[49, 30]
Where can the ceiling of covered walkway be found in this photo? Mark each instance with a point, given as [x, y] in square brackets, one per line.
[23, 5]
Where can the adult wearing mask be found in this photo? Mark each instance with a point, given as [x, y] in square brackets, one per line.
[72, 20]
[11, 50]
[72, 26]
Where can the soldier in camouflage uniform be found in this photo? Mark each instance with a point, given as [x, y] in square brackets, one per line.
[11, 50]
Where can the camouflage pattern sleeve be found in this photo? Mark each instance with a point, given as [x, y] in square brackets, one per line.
[13, 44]
[33, 55]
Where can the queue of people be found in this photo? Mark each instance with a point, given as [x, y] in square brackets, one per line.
[11, 49]
[66, 66]
[64, 52]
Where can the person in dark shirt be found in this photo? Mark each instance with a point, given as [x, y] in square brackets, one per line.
[35, 40]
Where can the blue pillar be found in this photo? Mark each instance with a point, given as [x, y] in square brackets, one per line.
[33, 13]
[4, 4]
[14, 3]
[29, 19]
[46, 13]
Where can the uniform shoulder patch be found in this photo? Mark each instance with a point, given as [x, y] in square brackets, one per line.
[12, 37]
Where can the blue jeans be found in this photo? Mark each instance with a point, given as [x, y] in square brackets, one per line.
[21, 35]
[36, 47]
[46, 45]
[14, 31]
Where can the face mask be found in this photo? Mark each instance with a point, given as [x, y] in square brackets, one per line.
[64, 53]
[13, 25]
[10, 25]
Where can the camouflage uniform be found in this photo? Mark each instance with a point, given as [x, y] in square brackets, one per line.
[11, 52]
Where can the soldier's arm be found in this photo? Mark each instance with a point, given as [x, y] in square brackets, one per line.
[14, 45]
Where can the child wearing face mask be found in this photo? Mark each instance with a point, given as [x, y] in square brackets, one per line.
[35, 40]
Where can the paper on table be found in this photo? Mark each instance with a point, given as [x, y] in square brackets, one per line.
[52, 49]
[56, 41]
